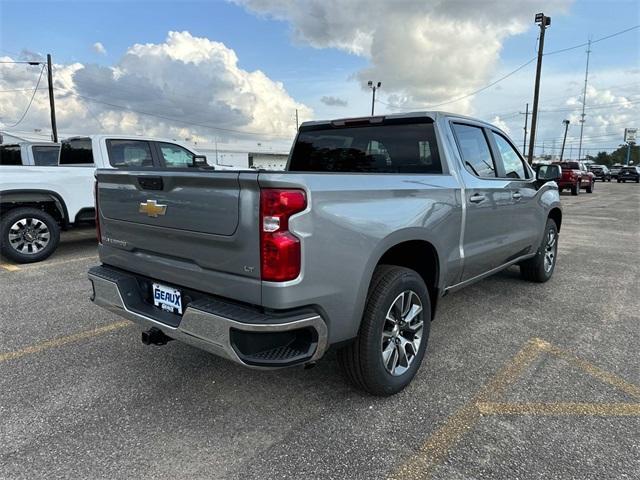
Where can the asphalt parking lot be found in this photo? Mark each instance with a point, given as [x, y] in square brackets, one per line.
[520, 381]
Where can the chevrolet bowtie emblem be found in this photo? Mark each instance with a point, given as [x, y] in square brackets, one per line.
[152, 209]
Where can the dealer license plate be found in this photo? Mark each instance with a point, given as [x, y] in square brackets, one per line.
[167, 298]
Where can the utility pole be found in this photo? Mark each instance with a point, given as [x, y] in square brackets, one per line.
[526, 118]
[297, 124]
[584, 100]
[564, 140]
[52, 103]
[544, 22]
[373, 87]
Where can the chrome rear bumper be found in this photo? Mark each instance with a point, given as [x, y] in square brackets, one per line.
[210, 325]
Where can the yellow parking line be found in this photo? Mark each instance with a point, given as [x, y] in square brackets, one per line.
[590, 409]
[60, 341]
[9, 267]
[33, 266]
[595, 372]
[437, 446]
[435, 449]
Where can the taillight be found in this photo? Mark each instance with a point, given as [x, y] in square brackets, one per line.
[97, 213]
[279, 249]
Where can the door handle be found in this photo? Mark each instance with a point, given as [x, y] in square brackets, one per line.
[477, 198]
[517, 195]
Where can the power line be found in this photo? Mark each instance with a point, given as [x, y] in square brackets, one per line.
[399, 107]
[466, 95]
[593, 41]
[30, 101]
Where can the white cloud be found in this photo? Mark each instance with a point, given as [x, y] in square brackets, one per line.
[99, 48]
[423, 52]
[334, 101]
[179, 88]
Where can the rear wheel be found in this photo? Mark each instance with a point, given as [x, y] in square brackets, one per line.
[575, 189]
[28, 235]
[540, 268]
[393, 334]
[590, 187]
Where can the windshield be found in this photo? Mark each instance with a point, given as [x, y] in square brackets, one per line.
[569, 165]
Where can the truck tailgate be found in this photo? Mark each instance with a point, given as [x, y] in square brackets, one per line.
[197, 229]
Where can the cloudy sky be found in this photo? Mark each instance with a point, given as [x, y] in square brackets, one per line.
[236, 72]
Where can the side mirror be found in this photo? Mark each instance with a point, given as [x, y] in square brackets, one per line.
[548, 173]
[200, 161]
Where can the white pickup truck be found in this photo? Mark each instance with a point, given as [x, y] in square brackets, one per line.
[43, 191]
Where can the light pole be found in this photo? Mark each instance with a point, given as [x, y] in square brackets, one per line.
[543, 21]
[373, 87]
[566, 127]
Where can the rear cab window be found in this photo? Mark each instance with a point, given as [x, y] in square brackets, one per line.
[10, 155]
[45, 156]
[76, 152]
[363, 147]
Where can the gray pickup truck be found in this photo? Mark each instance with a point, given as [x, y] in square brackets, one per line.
[350, 247]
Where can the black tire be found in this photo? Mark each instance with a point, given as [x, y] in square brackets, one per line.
[17, 214]
[534, 269]
[608, 180]
[618, 181]
[590, 187]
[362, 360]
[575, 189]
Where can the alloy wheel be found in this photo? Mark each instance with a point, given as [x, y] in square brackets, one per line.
[550, 249]
[29, 236]
[402, 333]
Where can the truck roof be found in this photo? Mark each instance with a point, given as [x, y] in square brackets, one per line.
[103, 136]
[434, 115]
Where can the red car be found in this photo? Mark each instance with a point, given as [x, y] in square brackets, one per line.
[575, 176]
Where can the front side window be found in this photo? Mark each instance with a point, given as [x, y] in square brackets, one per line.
[175, 156]
[46, 156]
[385, 148]
[475, 150]
[76, 151]
[10, 155]
[511, 161]
[129, 153]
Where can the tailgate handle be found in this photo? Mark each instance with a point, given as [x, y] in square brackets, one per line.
[150, 183]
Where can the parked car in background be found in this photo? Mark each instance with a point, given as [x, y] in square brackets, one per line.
[29, 154]
[575, 177]
[629, 174]
[352, 246]
[601, 172]
[615, 170]
[42, 191]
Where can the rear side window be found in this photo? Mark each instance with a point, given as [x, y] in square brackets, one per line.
[512, 163]
[129, 153]
[10, 155]
[174, 156]
[76, 151]
[46, 156]
[475, 150]
[387, 148]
